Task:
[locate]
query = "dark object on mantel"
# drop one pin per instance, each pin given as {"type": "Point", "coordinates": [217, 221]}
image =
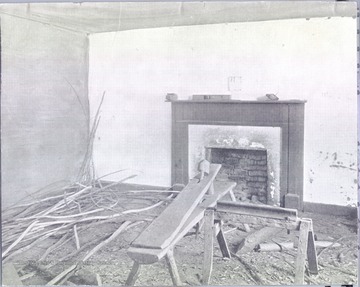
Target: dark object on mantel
{"type": "Point", "coordinates": [211, 97]}
{"type": "Point", "coordinates": [171, 97]}
{"type": "Point", "coordinates": [268, 97]}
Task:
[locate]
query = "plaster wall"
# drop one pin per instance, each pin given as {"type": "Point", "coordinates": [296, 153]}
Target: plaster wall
{"type": "Point", "coordinates": [44, 106]}
{"type": "Point", "coordinates": [313, 60]}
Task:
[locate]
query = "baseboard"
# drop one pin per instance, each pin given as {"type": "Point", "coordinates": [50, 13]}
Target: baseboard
{"type": "Point", "coordinates": [330, 209]}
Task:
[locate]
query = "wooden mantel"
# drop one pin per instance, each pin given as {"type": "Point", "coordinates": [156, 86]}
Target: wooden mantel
{"type": "Point", "coordinates": [288, 115]}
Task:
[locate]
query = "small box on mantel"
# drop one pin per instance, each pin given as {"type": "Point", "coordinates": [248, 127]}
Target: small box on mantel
{"type": "Point", "coordinates": [211, 97]}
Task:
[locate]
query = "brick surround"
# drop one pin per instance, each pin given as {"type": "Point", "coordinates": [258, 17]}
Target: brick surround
{"type": "Point", "coordinates": [247, 167]}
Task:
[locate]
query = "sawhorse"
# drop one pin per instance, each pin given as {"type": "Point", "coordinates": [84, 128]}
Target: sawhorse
{"type": "Point", "coordinates": [142, 256]}
{"type": "Point", "coordinates": [286, 218]}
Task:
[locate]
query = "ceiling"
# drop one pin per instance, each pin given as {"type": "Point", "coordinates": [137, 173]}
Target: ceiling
{"type": "Point", "coordinates": [98, 17]}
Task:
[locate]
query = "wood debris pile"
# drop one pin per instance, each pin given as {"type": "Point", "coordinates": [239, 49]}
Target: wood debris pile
{"type": "Point", "coordinates": [68, 213]}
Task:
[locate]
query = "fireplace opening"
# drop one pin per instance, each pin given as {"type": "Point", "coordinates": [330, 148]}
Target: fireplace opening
{"type": "Point", "coordinates": [248, 167]}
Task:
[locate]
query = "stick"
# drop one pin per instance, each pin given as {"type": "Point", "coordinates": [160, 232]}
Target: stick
{"type": "Point", "coordinates": [27, 247]}
{"type": "Point", "coordinates": [65, 216]}
{"type": "Point", "coordinates": [19, 239]}
{"type": "Point", "coordinates": [336, 241]}
{"type": "Point", "coordinates": [152, 191]}
{"type": "Point", "coordinates": [111, 238]}
{"type": "Point", "coordinates": [53, 247]}
{"type": "Point", "coordinates": [230, 230]}
{"type": "Point", "coordinates": [39, 201]}
{"type": "Point", "coordinates": [251, 274]}
{"type": "Point", "coordinates": [72, 268]}
{"type": "Point", "coordinates": [76, 238]}
{"type": "Point", "coordinates": [62, 202]}
{"type": "Point", "coordinates": [62, 274]}
{"type": "Point", "coordinates": [146, 208]}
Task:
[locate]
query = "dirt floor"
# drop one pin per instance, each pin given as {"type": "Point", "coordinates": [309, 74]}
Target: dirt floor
{"type": "Point", "coordinates": [111, 265]}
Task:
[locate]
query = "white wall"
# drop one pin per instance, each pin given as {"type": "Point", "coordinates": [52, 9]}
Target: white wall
{"type": "Point", "coordinates": [43, 127]}
{"type": "Point", "coordinates": [311, 59]}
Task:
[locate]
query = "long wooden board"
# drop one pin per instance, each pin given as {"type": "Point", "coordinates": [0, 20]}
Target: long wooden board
{"type": "Point", "coordinates": [151, 255]}
{"type": "Point", "coordinates": [160, 233]}
{"type": "Point", "coordinates": [266, 211]}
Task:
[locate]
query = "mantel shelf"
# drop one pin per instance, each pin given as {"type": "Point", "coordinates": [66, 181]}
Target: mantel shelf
{"type": "Point", "coordinates": [238, 102]}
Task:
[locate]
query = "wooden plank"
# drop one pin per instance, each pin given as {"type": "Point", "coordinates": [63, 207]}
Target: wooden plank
{"type": "Point", "coordinates": [249, 243]}
{"type": "Point", "coordinates": [150, 255]}
{"type": "Point", "coordinates": [208, 246]}
{"type": "Point", "coordinates": [290, 245]}
{"type": "Point", "coordinates": [302, 252]}
{"type": "Point", "coordinates": [257, 210]}
{"type": "Point", "coordinates": [160, 233]}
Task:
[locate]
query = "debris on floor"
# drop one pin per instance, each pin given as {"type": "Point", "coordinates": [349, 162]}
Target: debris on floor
{"type": "Point", "coordinates": [79, 235]}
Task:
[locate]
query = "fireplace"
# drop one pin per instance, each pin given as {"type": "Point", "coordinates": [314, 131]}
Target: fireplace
{"type": "Point", "coordinates": [284, 178]}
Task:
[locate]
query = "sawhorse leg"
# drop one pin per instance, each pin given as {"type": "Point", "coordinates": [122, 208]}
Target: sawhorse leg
{"type": "Point", "coordinates": [171, 264]}
{"type": "Point", "coordinates": [170, 261]}
{"type": "Point", "coordinates": [134, 273]}
{"type": "Point", "coordinates": [311, 252]}
{"type": "Point", "coordinates": [306, 249]}
{"type": "Point", "coordinates": [208, 245]}
{"type": "Point", "coordinates": [221, 239]}
{"type": "Point", "coordinates": [211, 229]}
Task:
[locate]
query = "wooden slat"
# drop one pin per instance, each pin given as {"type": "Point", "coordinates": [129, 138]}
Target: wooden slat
{"type": "Point", "coordinates": [160, 233]}
{"type": "Point", "coordinates": [150, 255]}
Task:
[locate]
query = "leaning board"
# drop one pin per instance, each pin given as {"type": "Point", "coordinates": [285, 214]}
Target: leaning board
{"type": "Point", "coordinates": [150, 255]}
{"type": "Point", "coordinates": [161, 232]}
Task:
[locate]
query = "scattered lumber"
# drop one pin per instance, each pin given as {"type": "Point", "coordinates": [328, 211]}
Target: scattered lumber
{"type": "Point", "coordinates": [266, 247]}
{"type": "Point", "coordinates": [249, 243]}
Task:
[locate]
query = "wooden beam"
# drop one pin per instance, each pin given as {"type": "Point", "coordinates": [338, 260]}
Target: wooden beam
{"type": "Point", "coordinates": [257, 210]}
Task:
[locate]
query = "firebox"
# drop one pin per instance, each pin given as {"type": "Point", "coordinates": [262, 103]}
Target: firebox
{"type": "Point", "coordinates": [246, 167]}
